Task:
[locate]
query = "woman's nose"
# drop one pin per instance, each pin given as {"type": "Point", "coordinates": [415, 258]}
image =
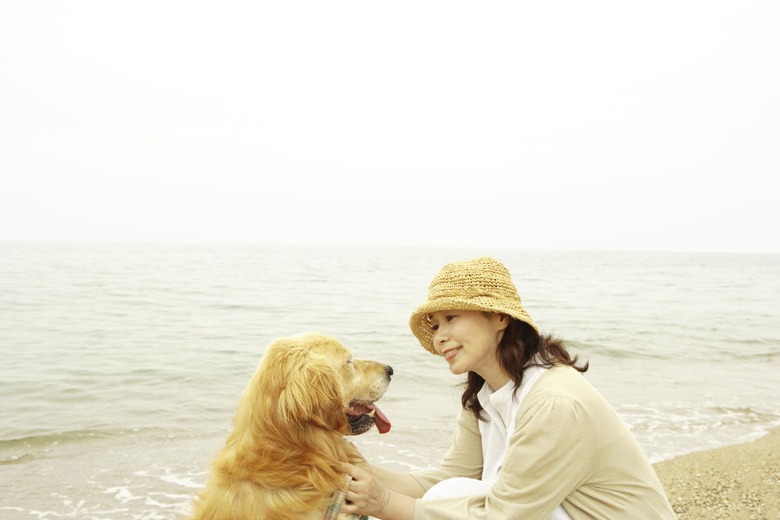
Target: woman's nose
{"type": "Point", "coordinates": [438, 339]}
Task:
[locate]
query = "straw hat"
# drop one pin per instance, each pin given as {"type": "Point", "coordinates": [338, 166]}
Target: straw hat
{"type": "Point", "coordinates": [481, 284]}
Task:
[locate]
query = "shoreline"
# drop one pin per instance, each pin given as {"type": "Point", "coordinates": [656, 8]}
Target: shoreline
{"type": "Point", "coordinates": [735, 482]}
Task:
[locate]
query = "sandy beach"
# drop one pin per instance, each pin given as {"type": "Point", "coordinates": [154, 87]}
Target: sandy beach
{"type": "Point", "coordinates": [736, 482]}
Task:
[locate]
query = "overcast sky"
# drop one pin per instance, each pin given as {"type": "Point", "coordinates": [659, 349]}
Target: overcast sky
{"type": "Point", "coordinates": [533, 125]}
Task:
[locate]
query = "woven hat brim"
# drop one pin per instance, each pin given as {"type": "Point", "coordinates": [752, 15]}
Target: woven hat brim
{"type": "Point", "coordinates": [421, 328]}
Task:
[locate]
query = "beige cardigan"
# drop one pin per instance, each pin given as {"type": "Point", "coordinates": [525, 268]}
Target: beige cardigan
{"type": "Point", "coordinates": [569, 447]}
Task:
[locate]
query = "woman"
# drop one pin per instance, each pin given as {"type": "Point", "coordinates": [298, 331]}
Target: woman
{"type": "Point", "coordinates": [534, 440]}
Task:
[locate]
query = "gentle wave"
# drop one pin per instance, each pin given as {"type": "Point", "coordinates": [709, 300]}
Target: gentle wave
{"type": "Point", "coordinates": [12, 449]}
{"type": "Point", "coordinates": [685, 428]}
{"type": "Point", "coordinates": [36, 445]}
{"type": "Point", "coordinates": [41, 439]}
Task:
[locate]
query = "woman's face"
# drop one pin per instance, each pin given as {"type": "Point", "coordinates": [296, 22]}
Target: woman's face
{"type": "Point", "coordinates": [468, 341]}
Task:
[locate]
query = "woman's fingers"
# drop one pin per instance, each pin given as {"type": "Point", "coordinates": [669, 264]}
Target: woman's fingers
{"type": "Point", "coordinates": [365, 495]}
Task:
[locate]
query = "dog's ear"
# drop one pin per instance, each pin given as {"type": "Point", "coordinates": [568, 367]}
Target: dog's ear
{"type": "Point", "coordinates": [307, 386]}
{"type": "Point", "coordinates": [312, 395]}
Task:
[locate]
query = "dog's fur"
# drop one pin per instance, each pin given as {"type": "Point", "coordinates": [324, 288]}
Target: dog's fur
{"type": "Point", "coordinates": [283, 460]}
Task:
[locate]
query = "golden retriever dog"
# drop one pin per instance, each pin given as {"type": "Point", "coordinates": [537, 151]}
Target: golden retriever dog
{"type": "Point", "coordinates": [283, 459]}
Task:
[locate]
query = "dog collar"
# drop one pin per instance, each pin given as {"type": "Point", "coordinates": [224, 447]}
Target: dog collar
{"type": "Point", "coordinates": [339, 497]}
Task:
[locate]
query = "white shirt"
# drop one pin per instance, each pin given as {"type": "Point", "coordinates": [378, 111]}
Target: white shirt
{"type": "Point", "coordinates": [501, 406]}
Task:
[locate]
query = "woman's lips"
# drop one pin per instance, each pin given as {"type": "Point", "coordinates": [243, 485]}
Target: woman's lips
{"type": "Point", "coordinates": [451, 353]}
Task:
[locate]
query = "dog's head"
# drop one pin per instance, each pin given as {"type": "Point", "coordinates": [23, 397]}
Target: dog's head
{"type": "Point", "coordinates": [313, 380]}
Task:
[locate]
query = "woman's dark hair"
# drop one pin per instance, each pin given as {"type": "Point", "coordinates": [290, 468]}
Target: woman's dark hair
{"type": "Point", "coordinates": [520, 345]}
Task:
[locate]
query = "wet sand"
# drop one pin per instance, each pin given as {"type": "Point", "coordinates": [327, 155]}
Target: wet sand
{"type": "Point", "coordinates": [736, 482]}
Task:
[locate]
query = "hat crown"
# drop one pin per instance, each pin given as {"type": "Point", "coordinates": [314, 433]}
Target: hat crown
{"type": "Point", "coordinates": [478, 277]}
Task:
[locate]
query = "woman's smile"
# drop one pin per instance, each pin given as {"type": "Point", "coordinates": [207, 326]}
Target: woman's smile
{"type": "Point", "coordinates": [450, 354]}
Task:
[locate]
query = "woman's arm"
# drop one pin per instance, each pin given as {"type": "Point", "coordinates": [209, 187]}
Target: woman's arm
{"type": "Point", "coordinates": [463, 458]}
{"type": "Point", "coordinates": [396, 481]}
{"type": "Point", "coordinates": [394, 492]}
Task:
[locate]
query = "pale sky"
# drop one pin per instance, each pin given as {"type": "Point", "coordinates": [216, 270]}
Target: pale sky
{"type": "Point", "coordinates": [531, 125]}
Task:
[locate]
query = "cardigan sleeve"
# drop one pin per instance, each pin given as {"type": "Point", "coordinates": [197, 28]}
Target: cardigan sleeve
{"type": "Point", "coordinates": [552, 451]}
{"type": "Point", "coordinates": [464, 457]}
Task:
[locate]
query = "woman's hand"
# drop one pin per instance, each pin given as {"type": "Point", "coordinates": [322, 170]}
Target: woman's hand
{"type": "Point", "coordinates": [366, 496]}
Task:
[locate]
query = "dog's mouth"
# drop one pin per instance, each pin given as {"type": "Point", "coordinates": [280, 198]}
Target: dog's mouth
{"type": "Point", "coordinates": [362, 415]}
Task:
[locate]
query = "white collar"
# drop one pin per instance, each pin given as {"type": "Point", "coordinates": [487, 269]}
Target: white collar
{"type": "Point", "coordinates": [506, 398]}
{"type": "Point", "coordinates": [498, 401]}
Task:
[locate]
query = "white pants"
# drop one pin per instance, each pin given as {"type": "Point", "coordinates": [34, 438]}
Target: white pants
{"type": "Point", "coordinates": [461, 486]}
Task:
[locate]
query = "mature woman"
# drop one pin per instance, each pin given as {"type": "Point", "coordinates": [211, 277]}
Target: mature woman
{"type": "Point", "coordinates": [534, 439]}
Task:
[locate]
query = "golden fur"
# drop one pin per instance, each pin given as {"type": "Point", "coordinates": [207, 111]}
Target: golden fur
{"type": "Point", "coordinates": [283, 459]}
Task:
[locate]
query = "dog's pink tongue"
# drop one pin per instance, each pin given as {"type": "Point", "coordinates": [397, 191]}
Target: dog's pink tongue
{"type": "Point", "coordinates": [381, 421]}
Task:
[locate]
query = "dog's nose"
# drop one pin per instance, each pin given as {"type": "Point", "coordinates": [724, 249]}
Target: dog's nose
{"type": "Point", "coordinates": [389, 370]}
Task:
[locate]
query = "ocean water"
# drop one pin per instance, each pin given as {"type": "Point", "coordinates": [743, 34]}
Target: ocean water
{"type": "Point", "coordinates": [122, 364]}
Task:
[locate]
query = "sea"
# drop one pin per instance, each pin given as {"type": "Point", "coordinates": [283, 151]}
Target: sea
{"type": "Point", "coordinates": [121, 364]}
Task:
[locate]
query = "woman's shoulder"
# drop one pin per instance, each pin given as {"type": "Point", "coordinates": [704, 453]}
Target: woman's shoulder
{"type": "Point", "coordinates": [563, 387]}
{"type": "Point", "coordinates": [563, 372]}
{"type": "Point", "coordinates": [561, 381]}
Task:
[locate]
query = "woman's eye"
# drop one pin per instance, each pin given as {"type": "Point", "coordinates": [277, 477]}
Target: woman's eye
{"type": "Point", "coordinates": [434, 327]}
{"type": "Point", "coordinates": [450, 317]}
